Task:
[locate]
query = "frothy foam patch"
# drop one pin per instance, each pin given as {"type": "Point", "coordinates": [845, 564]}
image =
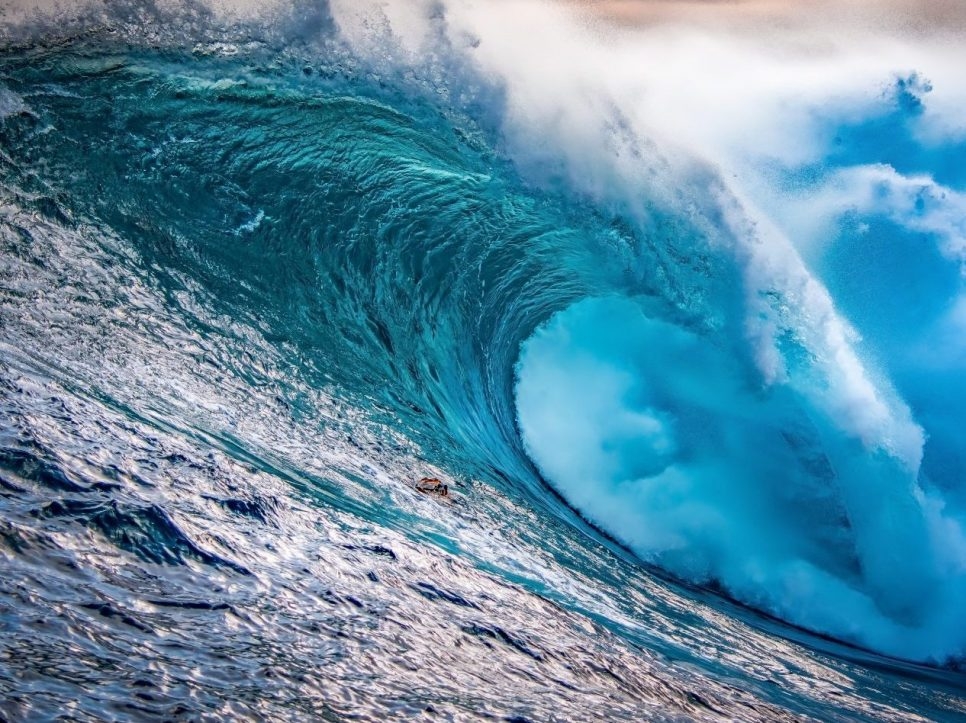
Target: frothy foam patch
{"type": "Point", "coordinates": [655, 434]}
{"type": "Point", "coordinates": [10, 103]}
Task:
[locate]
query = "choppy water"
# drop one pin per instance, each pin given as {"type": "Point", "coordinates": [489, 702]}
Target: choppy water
{"type": "Point", "coordinates": [247, 297]}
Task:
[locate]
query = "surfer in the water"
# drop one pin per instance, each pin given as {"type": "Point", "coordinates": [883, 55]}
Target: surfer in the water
{"type": "Point", "coordinates": [433, 485]}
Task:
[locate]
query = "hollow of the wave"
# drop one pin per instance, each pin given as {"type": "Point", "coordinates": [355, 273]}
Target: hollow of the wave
{"type": "Point", "coordinates": [665, 440]}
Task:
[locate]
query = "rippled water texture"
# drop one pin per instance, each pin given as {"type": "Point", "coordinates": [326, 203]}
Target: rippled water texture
{"type": "Point", "coordinates": [247, 298]}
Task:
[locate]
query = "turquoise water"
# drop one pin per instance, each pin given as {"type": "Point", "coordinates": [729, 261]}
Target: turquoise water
{"type": "Point", "coordinates": [248, 298]}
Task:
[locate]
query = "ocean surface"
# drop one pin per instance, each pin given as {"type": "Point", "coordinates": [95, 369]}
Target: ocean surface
{"type": "Point", "coordinates": [254, 283]}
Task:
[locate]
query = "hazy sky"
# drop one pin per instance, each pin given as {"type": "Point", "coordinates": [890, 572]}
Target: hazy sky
{"type": "Point", "coordinates": [900, 16]}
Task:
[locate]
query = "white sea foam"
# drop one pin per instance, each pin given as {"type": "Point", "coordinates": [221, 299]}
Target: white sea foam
{"type": "Point", "coordinates": [10, 103]}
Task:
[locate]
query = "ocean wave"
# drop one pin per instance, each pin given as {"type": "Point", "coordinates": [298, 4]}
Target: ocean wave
{"type": "Point", "coordinates": [252, 283]}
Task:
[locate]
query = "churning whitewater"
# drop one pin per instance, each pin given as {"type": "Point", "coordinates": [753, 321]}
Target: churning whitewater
{"type": "Point", "coordinates": [673, 304]}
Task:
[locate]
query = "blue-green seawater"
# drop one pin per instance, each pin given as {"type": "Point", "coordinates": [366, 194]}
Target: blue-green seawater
{"type": "Point", "coordinates": [244, 304]}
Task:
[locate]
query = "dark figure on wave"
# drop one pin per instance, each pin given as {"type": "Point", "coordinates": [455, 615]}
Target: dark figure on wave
{"type": "Point", "coordinates": [431, 485]}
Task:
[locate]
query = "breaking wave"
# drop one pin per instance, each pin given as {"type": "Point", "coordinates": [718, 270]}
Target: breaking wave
{"type": "Point", "coordinates": [252, 284]}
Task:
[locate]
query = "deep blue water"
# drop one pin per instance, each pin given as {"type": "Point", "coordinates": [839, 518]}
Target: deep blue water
{"type": "Point", "coordinates": [247, 298]}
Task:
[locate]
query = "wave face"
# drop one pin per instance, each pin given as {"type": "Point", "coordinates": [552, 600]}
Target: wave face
{"type": "Point", "coordinates": [254, 285]}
